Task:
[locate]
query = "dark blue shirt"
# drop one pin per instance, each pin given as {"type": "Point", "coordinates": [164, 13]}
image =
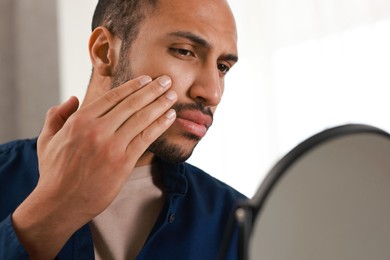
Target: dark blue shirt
{"type": "Point", "coordinates": [192, 224]}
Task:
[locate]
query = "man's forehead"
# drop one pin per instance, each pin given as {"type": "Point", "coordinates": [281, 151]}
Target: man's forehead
{"type": "Point", "coordinates": [217, 11]}
{"type": "Point", "coordinates": [195, 16]}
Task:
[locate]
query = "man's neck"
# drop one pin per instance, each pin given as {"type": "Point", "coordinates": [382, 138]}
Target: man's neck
{"type": "Point", "coordinates": [145, 159]}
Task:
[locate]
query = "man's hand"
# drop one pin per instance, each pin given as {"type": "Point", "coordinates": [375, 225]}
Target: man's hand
{"type": "Point", "coordinates": [86, 155]}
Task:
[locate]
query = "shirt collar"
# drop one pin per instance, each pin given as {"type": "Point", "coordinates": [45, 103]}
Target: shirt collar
{"type": "Point", "coordinates": [175, 180]}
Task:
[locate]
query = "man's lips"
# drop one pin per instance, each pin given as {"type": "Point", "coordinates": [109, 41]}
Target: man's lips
{"type": "Point", "coordinates": [194, 122]}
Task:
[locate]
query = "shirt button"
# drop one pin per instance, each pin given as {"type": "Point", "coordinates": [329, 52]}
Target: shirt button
{"type": "Point", "coordinates": [171, 218]}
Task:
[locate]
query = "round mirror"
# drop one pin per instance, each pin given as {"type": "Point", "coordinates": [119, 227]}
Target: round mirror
{"type": "Point", "coordinates": [329, 198]}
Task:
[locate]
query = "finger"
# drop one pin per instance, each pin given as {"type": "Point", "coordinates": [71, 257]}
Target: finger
{"type": "Point", "coordinates": [113, 97]}
{"type": "Point", "coordinates": [143, 140]}
{"type": "Point", "coordinates": [57, 116]}
{"type": "Point", "coordinates": [145, 117]}
{"type": "Point", "coordinates": [137, 101]}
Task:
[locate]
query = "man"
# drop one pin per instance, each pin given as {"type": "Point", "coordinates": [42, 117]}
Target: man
{"type": "Point", "coordinates": [108, 180]}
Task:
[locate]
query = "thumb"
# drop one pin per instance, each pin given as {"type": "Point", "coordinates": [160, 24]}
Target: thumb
{"type": "Point", "coordinates": [57, 116]}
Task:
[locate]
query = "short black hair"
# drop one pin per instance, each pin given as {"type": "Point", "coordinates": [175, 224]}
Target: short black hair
{"type": "Point", "coordinates": [122, 17]}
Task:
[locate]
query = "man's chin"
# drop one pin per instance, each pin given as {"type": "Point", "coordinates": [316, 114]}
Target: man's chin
{"type": "Point", "coordinates": [169, 152]}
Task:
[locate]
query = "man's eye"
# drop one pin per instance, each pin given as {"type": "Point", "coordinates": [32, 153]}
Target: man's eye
{"type": "Point", "coordinates": [183, 52]}
{"type": "Point", "coordinates": [223, 68]}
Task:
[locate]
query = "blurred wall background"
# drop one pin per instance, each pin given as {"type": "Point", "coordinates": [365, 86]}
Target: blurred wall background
{"type": "Point", "coordinates": [29, 68]}
{"type": "Point", "coordinates": [305, 65]}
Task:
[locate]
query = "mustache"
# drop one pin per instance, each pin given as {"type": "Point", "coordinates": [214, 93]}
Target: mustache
{"type": "Point", "coordinates": [178, 107]}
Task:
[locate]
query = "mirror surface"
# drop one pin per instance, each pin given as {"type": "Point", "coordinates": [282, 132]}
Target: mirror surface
{"type": "Point", "coordinates": [330, 202]}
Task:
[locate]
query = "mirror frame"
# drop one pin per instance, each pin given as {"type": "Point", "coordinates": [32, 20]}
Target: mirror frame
{"type": "Point", "coordinates": [247, 211]}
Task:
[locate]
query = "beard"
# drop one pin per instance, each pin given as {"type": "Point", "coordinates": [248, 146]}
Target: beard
{"type": "Point", "coordinates": [162, 147]}
{"type": "Point", "coordinates": [172, 153]}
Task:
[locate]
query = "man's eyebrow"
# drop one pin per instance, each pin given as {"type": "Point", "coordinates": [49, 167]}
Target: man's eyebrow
{"type": "Point", "coordinates": [199, 40]}
{"type": "Point", "coordinates": [192, 37]}
{"type": "Point", "coordinates": [230, 57]}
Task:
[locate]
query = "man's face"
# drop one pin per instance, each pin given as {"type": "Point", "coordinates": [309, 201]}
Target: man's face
{"type": "Point", "coordinates": [195, 43]}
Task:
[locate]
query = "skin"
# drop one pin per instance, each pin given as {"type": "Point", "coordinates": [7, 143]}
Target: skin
{"type": "Point", "coordinates": [88, 153]}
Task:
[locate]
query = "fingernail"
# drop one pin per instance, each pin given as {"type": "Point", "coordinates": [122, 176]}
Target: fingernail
{"type": "Point", "coordinates": [164, 81]}
{"type": "Point", "coordinates": [145, 80]}
{"type": "Point", "coordinates": [171, 95]}
{"type": "Point", "coordinates": [171, 114]}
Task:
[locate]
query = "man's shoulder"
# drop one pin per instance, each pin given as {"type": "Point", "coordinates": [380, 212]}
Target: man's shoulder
{"type": "Point", "coordinates": [18, 156]}
{"type": "Point", "coordinates": [19, 153]}
{"type": "Point", "coordinates": [18, 146]}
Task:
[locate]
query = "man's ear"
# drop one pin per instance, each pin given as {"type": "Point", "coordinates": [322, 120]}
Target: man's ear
{"type": "Point", "coordinates": [104, 50]}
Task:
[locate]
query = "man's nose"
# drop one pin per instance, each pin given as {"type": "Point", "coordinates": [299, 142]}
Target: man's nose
{"type": "Point", "coordinates": [208, 86]}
